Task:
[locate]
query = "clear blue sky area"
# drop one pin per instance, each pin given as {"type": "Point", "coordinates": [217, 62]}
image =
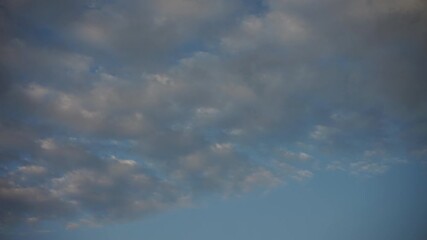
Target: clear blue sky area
{"type": "Point", "coordinates": [327, 207]}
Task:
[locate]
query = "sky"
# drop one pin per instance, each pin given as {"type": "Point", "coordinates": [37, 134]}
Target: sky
{"type": "Point", "coordinates": [226, 119]}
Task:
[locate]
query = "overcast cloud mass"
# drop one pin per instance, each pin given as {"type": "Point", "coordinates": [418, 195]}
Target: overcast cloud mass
{"type": "Point", "coordinates": [112, 111]}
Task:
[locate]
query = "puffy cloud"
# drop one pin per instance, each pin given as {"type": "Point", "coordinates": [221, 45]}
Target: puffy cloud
{"type": "Point", "coordinates": [303, 174]}
{"type": "Point", "coordinates": [301, 156]}
{"type": "Point", "coordinates": [29, 203]}
{"type": "Point", "coordinates": [32, 170]}
{"type": "Point", "coordinates": [117, 110]}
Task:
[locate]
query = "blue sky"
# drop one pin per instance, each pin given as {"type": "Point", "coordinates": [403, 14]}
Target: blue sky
{"type": "Point", "coordinates": [189, 119]}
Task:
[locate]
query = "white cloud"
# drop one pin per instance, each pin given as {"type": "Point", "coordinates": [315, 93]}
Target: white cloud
{"type": "Point", "coordinates": [222, 147]}
{"type": "Point", "coordinates": [36, 92]}
{"type": "Point", "coordinates": [335, 166]}
{"type": "Point", "coordinates": [261, 177]}
{"type": "Point", "coordinates": [301, 156]}
{"type": "Point", "coordinates": [276, 27]}
{"type": "Point", "coordinates": [47, 144]}
{"type": "Point", "coordinates": [162, 79]}
{"type": "Point", "coordinates": [128, 162]}
{"type": "Point", "coordinates": [323, 132]}
{"type": "Point", "coordinates": [32, 170]}
{"type": "Point", "coordinates": [363, 167]}
{"type": "Point", "coordinates": [301, 175]}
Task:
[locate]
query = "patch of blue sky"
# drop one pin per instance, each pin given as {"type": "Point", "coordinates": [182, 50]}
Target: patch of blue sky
{"type": "Point", "coordinates": [115, 149]}
{"type": "Point", "coordinates": [255, 7]}
{"type": "Point", "coordinates": [335, 206]}
{"type": "Point", "coordinates": [40, 34]}
{"type": "Point", "coordinates": [187, 49]}
{"type": "Point", "coordinates": [12, 160]}
{"type": "Point", "coordinates": [212, 45]}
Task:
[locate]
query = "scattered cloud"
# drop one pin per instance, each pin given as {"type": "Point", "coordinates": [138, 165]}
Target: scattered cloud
{"type": "Point", "coordinates": [115, 110]}
{"type": "Point", "coordinates": [368, 167]}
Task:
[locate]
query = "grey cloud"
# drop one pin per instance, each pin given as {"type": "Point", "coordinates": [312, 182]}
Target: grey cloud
{"type": "Point", "coordinates": [19, 204]}
{"type": "Point", "coordinates": [119, 192]}
{"type": "Point", "coordinates": [337, 84]}
{"type": "Point", "coordinates": [143, 33]}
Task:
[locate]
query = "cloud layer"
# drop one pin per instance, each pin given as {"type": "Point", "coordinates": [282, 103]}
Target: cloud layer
{"type": "Point", "coordinates": [112, 111]}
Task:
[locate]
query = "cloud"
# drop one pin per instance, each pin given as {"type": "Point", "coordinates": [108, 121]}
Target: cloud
{"type": "Point", "coordinates": [301, 156]}
{"type": "Point", "coordinates": [23, 203]}
{"type": "Point", "coordinates": [368, 168]}
{"type": "Point", "coordinates": [32, 170]}
{"type": "Point", "coordinates": [115, 110]}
